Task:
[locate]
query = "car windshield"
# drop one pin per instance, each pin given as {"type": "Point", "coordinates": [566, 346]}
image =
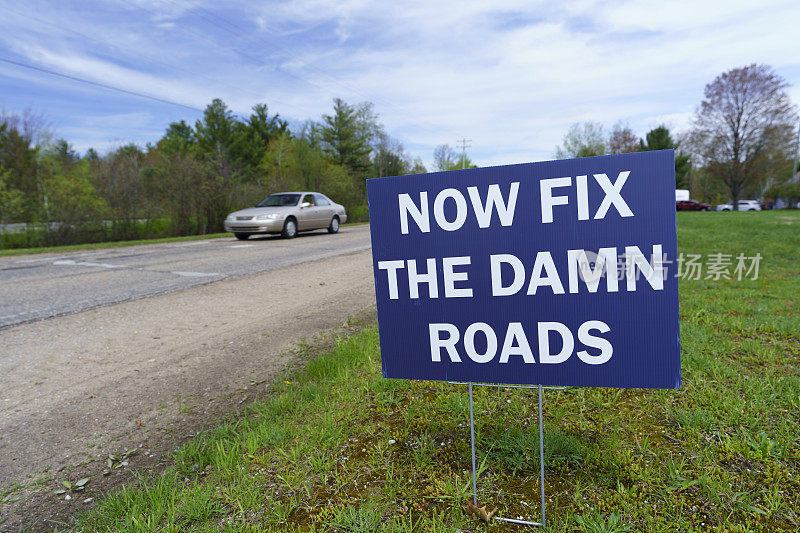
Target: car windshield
{"type": "Point", "coordinates": [279, 200]}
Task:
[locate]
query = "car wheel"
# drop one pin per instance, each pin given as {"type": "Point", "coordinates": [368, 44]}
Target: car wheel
{"type": "Point", "coordinates": [289, 229]}
{"type": "Point", "coordinates": [334, 225]}
{"type": "Point", "coordinates": [704, 209]}
{"type": "Point", "coordinates": [242, 236]}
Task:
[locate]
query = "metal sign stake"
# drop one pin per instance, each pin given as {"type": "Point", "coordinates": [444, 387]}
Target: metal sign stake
{"type": "Point", "coordinates": [472, 435]}
{"type": "Point", "coordinates": [541, 450]}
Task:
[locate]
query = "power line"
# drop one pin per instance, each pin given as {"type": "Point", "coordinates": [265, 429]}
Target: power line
{"type": "Point", "coordinates": [238, 31]}
{"type": "Point", "coordinates": [96, 84]}
{"type": "Point", "coordinates": [148, 58]}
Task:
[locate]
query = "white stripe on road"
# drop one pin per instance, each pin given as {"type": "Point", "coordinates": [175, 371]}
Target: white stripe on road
{"type": "Point", "coordinates": [193, 243]}
{"type": "Point", "coordinates": [70, 262]}
{"type": "Point", "coordinates": [45, 259]}
{"type": "Point", "coordinates": [242, 246]}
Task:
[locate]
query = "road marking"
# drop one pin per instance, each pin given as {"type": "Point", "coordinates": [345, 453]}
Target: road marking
{"type": "Point", "coordinates": [193, 243]}
{"type": "Point", "coordinates": [194, 274]}
{"type": "Point", "coordinates": [242, 246]}
{"type": "Point", "coordinates": [70, 262]}
{"type": "Point", "coordinates": [45, 259]}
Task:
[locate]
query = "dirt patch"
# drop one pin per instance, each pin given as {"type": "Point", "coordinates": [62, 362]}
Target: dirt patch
{"type": "Point", "coordinates": [150, 374]}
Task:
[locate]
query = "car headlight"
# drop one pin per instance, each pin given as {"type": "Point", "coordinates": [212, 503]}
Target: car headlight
{"type": "Point", "coordinates": [230, 217]}
{"type": "Point", "coordinates": [271, 216]}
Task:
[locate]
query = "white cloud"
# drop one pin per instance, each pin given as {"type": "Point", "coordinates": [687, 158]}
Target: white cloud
{"type": "Point", "coordinates": [512, 77]}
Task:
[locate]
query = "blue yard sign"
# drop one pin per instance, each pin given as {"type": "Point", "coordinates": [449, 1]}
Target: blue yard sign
{"type": "Point", "coordinates": [552, 273]}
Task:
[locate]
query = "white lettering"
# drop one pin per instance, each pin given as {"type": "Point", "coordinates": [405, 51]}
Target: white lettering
{"type": "Point", "coordinates": [420, 215]}
{"type": "Point", "coordinates": [544, 261]}
{"type": "Point", "coordinates": [494, 199]}
{"type": "Point", "coordinates": [414, 279]}
{"type": "Point", "coordinates": [568, 344]}
{"type": "Point", "coordinates": [450, 277]}
{"type": "Point", "coordinates": [594, 342]}
{"type": "Point", "coordinates": [613, 196]}
{"type": "Point", "coordinates": [391, 268]}
{"type": "Point", "coordinates": [546, 187]}
{"type": "Point", "coordinates": [496, 262]}
{"type": "Point", "coordinates": [583, 197]}
{"type": "Point", "coordinates": [461, 209]}
{"type": "Point", "coordinates": [491, 342]}
{"type": "Point", "coordinates": [653, 273]}
{"type": "Point", "coordinates": [449, 344]}
{"type": "Point", "coordinates": [516, 333]}
{"type": "Point", "coordinates": [578, 265]}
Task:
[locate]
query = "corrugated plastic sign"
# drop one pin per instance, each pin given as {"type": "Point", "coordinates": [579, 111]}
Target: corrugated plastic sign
{"type": "Point", "coordinates": [551, 273]}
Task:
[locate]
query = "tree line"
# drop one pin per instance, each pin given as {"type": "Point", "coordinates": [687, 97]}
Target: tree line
{"type": "Point", "coordinates": [741, 142]}
{"type": "Point", "coordinates": [188, 181]}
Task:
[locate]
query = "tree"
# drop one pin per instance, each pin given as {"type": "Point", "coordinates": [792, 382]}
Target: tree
{"type": "Point", "coordinates": [744, 125]}
{"type": "Point", "coordinates": [418, 166]}
{"type": "Point", "coordinates": [12, 201]}
{"type": "Point", "coordinates": [18, 163]}
{"type": "Point", "coordinates": [217, 129]}
{"type": "Point", "coordinates": [178, 139]}
{"type": "Point", "coordinates": [257, 133]}
{"type": "Point", "coordinates": [660, 139]}
{"type": "Point", "coordinates": [72, 199]}
{"type": "Point", "coordinates": [118, 181]}
{"type": "Point", "coordinates": [347, 135]}
{"type": "Point", "coordinates": [62, 151]}
{"type": "Point", "coordinates": [444, 157]}
{"type": "Point", "coordinates": [788, 190]}
{"type": "Point", "coordinates": [175, 183]}
{"type": "Point", "coordinates": [622, 140]}
{"type": "Point", "coordinates": [582, 140]}
{"type": "Point", "coordinates": [390, 158]}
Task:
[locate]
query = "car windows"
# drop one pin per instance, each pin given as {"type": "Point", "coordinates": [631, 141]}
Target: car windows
{"type": "Point", "coordinates": [310, 199]}
{"type": "Point", "coordinates": [321, 200]}
{"type": "Point", "coordinates": [279, 200]}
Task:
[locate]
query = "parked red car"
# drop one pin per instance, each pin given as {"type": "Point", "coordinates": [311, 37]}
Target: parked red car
{"type": "Point", "coordinates": [691, 205]}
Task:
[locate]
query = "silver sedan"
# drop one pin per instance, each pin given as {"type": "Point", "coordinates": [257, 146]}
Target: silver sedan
{"type": "Point", "coordinates": [287, 213]}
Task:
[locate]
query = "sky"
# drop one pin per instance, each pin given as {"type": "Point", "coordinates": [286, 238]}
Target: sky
{"type": "Point", "coordinates": [508, 76]}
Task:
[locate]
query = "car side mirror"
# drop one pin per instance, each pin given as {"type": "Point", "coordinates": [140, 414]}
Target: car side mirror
{"type": "Point", "coordinates": [305, 204]}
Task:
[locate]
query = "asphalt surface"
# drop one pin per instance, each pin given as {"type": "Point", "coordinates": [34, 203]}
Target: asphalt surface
{"type": "Point", "coordinates": [36, 287]}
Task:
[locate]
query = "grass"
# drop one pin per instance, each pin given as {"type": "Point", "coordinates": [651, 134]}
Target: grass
{"type": "Point", "coordinates": [118, 244]}
{"type": "Point", "coordinates": [112, 244]}
{"type": "Point", "coordinates": [338, 448]}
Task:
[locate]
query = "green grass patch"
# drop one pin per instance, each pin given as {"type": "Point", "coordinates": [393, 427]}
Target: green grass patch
{"type": "Point", "coordinates": [118, 244]}
{"type": "Point", "coordinates": [112, 244]}
{"type": "Point", "coordinates": [338, 448]}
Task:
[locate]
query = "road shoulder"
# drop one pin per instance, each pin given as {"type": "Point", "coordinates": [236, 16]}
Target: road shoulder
{"type": "Point", "coordinates": [147, 375]}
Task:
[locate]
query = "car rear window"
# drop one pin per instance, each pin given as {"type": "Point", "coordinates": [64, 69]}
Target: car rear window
{"type": "Point", "coordinates": [279, 200]}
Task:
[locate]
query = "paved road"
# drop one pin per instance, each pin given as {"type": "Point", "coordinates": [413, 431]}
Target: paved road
{"type": "Point", "coordinates": [42, 286]}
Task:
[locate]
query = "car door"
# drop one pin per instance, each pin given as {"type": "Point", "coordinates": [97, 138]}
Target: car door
{"type": "Point", "coordinates": [325, 210]}
{"type": "Point", "coordinates": [307, 216]}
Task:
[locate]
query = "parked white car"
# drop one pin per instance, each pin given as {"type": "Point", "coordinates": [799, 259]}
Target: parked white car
{"type": "Point", "coordinates": [744, 205]}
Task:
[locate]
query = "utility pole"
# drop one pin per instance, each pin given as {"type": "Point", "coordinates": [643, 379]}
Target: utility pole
{"type": "Point", "coordinates": [464, 146]}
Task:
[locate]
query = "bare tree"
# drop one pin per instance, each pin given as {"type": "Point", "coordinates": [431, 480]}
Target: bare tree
{"type": "Point", "coordinates": [743, 126]}
{"type": "Point", "coordinates": [622, 140]}
{"type": "Point", "coordinates": [32, 125]}
{"type": "Point", "coordinates": [444, 157]}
